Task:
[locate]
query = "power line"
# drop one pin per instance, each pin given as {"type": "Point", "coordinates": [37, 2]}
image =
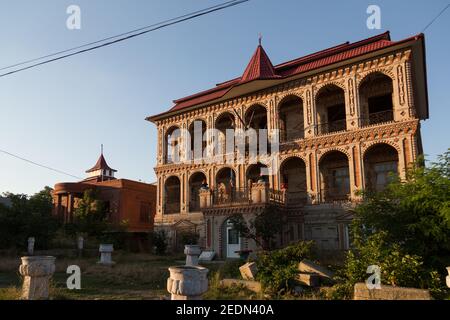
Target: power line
{"type": "Point", "coordinates": [432, 21]}
{"type": "Point", "coordinates": [39, 165]}
{"type": "Point", "coordinates": [111, 37]}
{"type": "Point", "coordinates": [158, 26]}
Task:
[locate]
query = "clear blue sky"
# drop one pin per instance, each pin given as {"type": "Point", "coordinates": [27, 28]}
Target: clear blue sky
{"type": "Point", "coordinates": [59, 114]}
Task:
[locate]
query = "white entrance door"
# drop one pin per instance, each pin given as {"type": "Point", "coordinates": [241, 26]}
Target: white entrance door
{"type": "Point", "coordinates": [233, 242]}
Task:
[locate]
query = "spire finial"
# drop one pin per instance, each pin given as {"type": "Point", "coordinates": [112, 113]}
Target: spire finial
{"type": "Point", "coordinates": [102, 148]}
{"type": "Point", "coordinates": [260, 38]}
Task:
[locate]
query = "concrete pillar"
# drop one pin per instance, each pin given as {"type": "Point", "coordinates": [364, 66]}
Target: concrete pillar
{"type": "Point", "coordinates": [205, 198]}
{"type": "Point", "coordinates": [192, 253]}
{"type": "Point", "coordinates": [105, 254]}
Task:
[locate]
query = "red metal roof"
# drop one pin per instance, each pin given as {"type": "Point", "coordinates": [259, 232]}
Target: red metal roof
{"type": "Point", "coordinates": [260, 67]}
{"type": "Point", "coordinates": [100, 165]}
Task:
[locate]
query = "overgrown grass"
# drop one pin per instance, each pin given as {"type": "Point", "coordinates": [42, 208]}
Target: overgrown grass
{"type": "Point", "coordinates": [134, 276]}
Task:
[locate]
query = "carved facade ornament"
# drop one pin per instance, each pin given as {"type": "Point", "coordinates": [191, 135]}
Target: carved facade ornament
{"type": "Point", "coordinates": [401, 85]}
{"type": "Point", "coordinates": [351, 94]}
{"type": "Point", "coordinates": [309, 106]}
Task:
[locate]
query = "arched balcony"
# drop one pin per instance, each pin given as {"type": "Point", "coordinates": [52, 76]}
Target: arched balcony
{"type": "Point", "coordinates": [380, 166]}
{"type": "Point", "coordinates": [291, 119]}
{"type": "Point", "coordinates": [172, 193]}
{"type": "Point", "coordinates": [256, 172]}
{"type": "Point", "coordinates": [375, 92]}
{"type": "Point", "coordinates": [197, 145]}
{"type": "Point", "coordinates": [256, 119]}
{"type": "Point", "coordinates": [330, 106]}
{"type": "Point", "coordinates": [196, 182]}
{"type": "Point", "coordinates": [334, 177]}
{"type": "Point", "coordinates": [223, 123]}
{"type": "Point", "coordinates": [172, 144]}
{"type": "Point", "coordinates": [293, 181]}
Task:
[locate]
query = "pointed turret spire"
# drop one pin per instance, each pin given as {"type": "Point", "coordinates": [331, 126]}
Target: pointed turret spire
{"type": "Point", "coordinates": [101, 168]}
{"type": "Point", "coordinates": [260, 67]}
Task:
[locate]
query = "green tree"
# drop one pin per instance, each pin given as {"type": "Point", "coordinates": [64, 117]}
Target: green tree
{"type": "Point", "coordinates": [405, 230]}
{"type": "Point", "coordinates": [263, 228]}
{"type": "Point", "coordinates": [28, 217]}
{"type": "Point", "coordinates": [90, 216]}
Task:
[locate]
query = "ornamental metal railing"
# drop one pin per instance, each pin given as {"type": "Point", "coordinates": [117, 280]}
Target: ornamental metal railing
{"type": "Point", "coordinates": [329, 127]}
{"type": "Point", "coordinates": [380, 117]}
{"type": "Point", "coordinates": [230, 196]}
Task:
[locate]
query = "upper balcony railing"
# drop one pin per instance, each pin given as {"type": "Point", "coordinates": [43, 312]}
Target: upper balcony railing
{"type": "Point", "coordinates": [291, 135]}
{"type": "Point", "coordinates": [380, 117]}
{"type": "Point", "coordinates": [230, 196]}
{"type": "Point", "coordinates": [329, 127]}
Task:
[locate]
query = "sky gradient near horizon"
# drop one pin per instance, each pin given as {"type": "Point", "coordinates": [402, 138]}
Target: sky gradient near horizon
{"type": "Point", "coordinates": [60, 113]}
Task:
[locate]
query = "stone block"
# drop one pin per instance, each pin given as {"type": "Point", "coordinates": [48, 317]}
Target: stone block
{"type": "Point", "coordinates": [361, 292]}
{"type": "Point", "coordinates": [248, 271]}
{"type": "Point", "coordinates": [307, 266]}
{"type": "Point", "coordinates": [206, 256]}
{"type": "Point", "coordinates": [309, 279]}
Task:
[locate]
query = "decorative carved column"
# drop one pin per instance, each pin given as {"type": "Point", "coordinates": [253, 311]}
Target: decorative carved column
{"type": "Point", "coordinates": [351, 103]}
{"type": "Point", "coordinates": [309, 110]}
{"type": "Point", "coordinates": [402, 107]}
{"type": "Point", "coordinates": [354, 170]}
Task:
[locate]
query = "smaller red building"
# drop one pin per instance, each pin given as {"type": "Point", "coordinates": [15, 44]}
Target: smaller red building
{"type": "Point", "coordinates": [126, 200]}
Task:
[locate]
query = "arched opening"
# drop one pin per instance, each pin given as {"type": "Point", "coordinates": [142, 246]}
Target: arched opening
{"type": "Point", "coordinates": [380, 166]}
{"type": "Point", "coordinates": [197, 131]}
{"type": "Point", "coordinates": [172, 193]}
{"type": "Point", "coordinates": [256, 172]}
{"type": "Point", "coordinates": [330, 105]}
{"type": "Point", "coordinates": [290, 113]}
{"type": "Point", "coordinates": [375, 93]}
{"type": "Point", "coordinates": [172, 145]}
{"type": "Point", "coordinates": [225, 191]}
{"type": "Point", "coordinates": [256, 119]}
{"type": "Point", "coordinates": [334, 177]}
{"type": "Point", "coordinates": [196, 182]}
{"type": "Point", "coordinates": [293, 180]}
{"type": "Point", "coordinates": [224, 121]}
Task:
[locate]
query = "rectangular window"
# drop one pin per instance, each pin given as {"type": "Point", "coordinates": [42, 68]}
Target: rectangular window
{"type": "Point", "coordinates": [341, 180]}
{"type": "Point", "coordinates": [382, 173]}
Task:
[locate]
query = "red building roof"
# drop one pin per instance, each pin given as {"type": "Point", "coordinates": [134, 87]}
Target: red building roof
{"type": "Point", "coordinates": [100, 165]}
{"type": "Point", "coordinates": [260, 67]}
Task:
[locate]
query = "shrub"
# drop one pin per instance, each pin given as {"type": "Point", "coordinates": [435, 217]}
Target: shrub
{"type": "Point", "coordinates": [159, 241]}
{"type": "Point", "coordinates": [277, 269]}
{"type": "Point", "coordinates": [189, 237]}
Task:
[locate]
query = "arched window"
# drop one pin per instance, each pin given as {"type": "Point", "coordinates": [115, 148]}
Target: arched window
{"type": "Point", "coordinates": [330, 105]}
{"type": "Point", "coordinates": [172, 194]}
{"type": "Point", "coordinates": [172, 145]}
{"type": "Point", "coordinates": [334, 177]}
{"type": "Point", "coordinates": [224, 121]}
{"type": "Point", "coordinates": [380, 166]}
{"type": "Point", "coordinates": [256, 119]}
{"type": "Point", "coordinates": [198, 141]}
{"type": "Point", "coordinates": [290, 114]}
{"type": "Point", "coordinates": [376, 102]}
{"type": "Point", "coordinates": [293, 180]}
{"type": "Point", "coordinates": [196, 182]}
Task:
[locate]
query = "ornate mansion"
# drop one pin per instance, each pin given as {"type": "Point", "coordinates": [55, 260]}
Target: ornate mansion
{"type": "Point", "coordinates": [344, 118]}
